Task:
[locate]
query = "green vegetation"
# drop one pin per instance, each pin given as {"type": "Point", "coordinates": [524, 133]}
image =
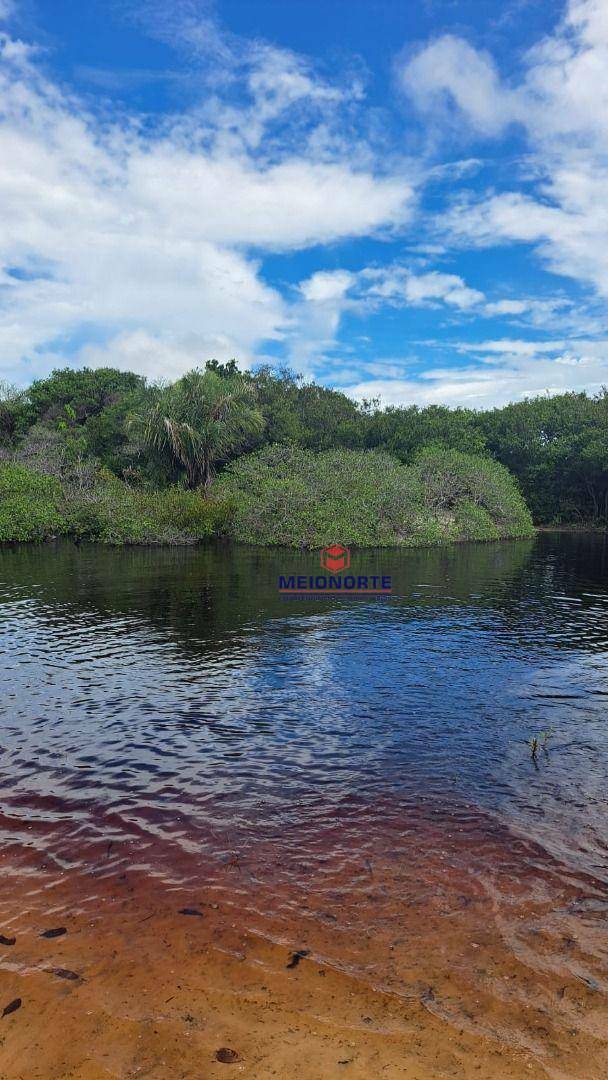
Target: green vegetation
{"type": "Point", "coordinates": [287, 495]}
{"type": "Point", "coordinates": [105, 455]}
{"type": "Point", "coordinates": [30, 504]}
{"type": "Point", "coordinates": [557, 447]}
{"type": "Point", "coordinates": [113, 512]}
{"type": "Point", "coordinates": [202, 419]}
{"type": "Point", "coordinates": [541, 741]}
{"type": "Point", "coordinates": [35, 506]}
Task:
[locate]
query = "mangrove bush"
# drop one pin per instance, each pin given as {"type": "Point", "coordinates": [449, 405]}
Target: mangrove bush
{"type": "Point", "coordinates": [289, 495]}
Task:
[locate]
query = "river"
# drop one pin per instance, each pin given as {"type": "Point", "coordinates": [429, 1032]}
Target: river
{"type": "Point", "coordinates": [308, 832]}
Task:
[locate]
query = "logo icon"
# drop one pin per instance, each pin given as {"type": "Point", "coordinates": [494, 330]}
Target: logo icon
{"type": "Point", "coordinates": [336, 557]}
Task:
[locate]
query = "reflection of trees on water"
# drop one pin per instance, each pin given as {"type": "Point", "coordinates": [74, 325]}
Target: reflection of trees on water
{"type": "Point", "coordinates": [204, 594]}
{"type": "Point", "coordinates": [182, 670]}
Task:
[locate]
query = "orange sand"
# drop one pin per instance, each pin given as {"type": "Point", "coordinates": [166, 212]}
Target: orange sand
{"type": "Point", "coordinates": [421, 963]}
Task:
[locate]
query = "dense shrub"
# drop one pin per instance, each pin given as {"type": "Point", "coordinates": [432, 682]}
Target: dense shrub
{"type": "Point", "coordinates": [30, 504]}
{"type": "Point", "coordinates": [288, 495]}
{"type": "Point", "coordinates": [98, 506]}
{"type": "Point", "coordinates": [85, 392]}
{"type": "Point", "coordinates": [557, 447]}
{"type": "Point", "coordinates": [481, 493]}
{"type": "Point", "coordinates": [113, 512]}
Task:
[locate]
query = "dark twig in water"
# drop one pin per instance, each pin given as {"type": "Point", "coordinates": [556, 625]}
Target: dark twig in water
{"type": "Point", "coordinates": [57, 931]}
{"type": "Point", "coordinates": [7, 940]}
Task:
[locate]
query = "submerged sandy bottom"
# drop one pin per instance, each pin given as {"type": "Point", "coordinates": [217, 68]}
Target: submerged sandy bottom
{"type": "Point", "coordinates": [402, 943]}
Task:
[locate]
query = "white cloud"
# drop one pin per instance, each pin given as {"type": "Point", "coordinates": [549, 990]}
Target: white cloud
{"type": "Point", "coordinates": [449, 71]}
{"type": "Point", "coordinates": [291, 205]}
{"type": "Point", "coordinates": [328, 294]}
{"type": "Point", "coordinates": [146, 240]}
{"type": "Point", "coordinates": [271, 81]}
{"type": "Point", "coordinates": [554, 312]}
{"type": "Point", "coordinates": [140, 247]}
{"type": "Point", "coordinates": [496, 372]}
{"type": "Point", "coordinates": [327, 285]}
{"type": "Point", "coordinates": [160, 358]}
{"type": "Point", "coordinates": [316, 317]}
{"type": "Point", "coordinates": [278, 79]}
{"type": "Point", "coordinates": [399, 285]}
{"type": "Point", "coordinates": [447, 287]}
{"type": "Point", "coordinates": [562, 103]}
{"type": "Point", "coordinates": [563, 92]}
{"type": "Point", "coordinates": [506, 307]}
{"type": "Point", "coordinates": [510, 347]}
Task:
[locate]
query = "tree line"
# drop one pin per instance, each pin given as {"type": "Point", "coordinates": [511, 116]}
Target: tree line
{"type": "Point", "coordinates": [185, 432]}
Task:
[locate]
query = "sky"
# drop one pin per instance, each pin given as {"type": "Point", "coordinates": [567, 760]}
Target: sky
{"type": "Point", "coordinates": [404, 200]}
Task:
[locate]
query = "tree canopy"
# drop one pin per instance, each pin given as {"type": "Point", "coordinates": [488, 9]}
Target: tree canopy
{"type": "Point", "coordinates": [199, 421]}
{"type": "Point", "coordinates": [186, 431]}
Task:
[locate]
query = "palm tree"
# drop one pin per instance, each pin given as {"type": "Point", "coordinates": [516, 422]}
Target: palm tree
{"type": "Point", "coordinates": [200, 421]}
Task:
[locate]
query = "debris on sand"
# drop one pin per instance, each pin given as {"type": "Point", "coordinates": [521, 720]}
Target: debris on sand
{"type": "Point", "coordinates": [226, 1055]}
{"type": "Point", "coordinates": [11, 1007]}
{"type": "Point", "coordinates": [57, 931]}
{"type": "Point", "coordinates": [64, 973]}
{"type": "Point", "coordinates": [7, 940]}
{"type": "Point", "coordinates": [297, 956]}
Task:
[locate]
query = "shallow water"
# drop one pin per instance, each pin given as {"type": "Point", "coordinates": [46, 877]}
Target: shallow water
{"type": "Point", "coordinates": [347, 775]}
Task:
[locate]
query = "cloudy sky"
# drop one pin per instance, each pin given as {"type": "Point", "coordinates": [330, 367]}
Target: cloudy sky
{"type": "Point", "coordinates": [401, 199]}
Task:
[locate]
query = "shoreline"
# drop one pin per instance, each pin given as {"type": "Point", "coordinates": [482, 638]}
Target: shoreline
{"type": "Point", "coordinates": [396, 960]}
{"type": "Point", "coordinates": [595, 530]}
{"type": "Point", "coordinates": [229, 541]}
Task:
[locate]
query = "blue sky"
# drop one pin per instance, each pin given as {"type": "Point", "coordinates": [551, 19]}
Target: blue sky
{"type": "Point", "coordinates": [407, 201]}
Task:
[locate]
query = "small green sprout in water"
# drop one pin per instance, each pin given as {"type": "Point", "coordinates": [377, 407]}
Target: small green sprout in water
{"type": "Point", "coordinates": [541, 740]}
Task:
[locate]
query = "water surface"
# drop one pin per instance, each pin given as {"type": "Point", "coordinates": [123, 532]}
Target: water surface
{"type": "Point", "coordinates": [338, 762]}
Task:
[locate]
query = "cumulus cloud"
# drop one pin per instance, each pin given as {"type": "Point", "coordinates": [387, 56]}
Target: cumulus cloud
{"type": "Point", "coordinates": [450, 73]}
{"type": "Point", "coordinates": [162, 358]}
{"type": "Point", "coordinates": [142, 244]}
{"type": "Point", "coordinates": [320, 302]}
{"type": "Point", "coordinates": [561, 102]}
{"type": "Point", "coordinates": [327, 285]}
{"type": "Point", "coordinates": [563, 91]}
{"type": "Point", "coordinates": [329, 294]}
{"type": "Point", "coordinates": [436, 286]}
{"type": "Point", "coordinates": [494, 373]}
{"type": "Point", "coordinates": [138, 245]}
{"type": "Point", "coordinates": [400, 286]}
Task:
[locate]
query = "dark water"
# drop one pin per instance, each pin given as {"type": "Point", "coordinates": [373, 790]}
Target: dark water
{"type": "Point", "coordinates": [158, 695]}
